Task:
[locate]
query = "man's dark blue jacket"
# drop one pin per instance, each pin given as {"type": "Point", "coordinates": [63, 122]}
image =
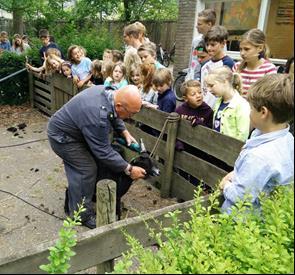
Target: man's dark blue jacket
{"type": "Point", "coordinates": [89, 118]}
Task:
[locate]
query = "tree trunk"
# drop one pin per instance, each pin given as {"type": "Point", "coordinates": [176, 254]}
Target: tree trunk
{"type": "Point", "coordinates": [18, 24]}
{"type": "Point", "coordinates": [127, 11]}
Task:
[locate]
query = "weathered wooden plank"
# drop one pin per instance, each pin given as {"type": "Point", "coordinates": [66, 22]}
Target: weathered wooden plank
{"type": "Point", "coordinates": [42, 93]}
{"type": "Point", "coordinates": [42, 108]}
{"type": "Point", "coordinates": [67, 97]}
{"type": "Point", "coordinates": [199, 168]}
{"type": "Point", "coordinates": [63, 83]}
{"type": "Point", "coordinates": [59, 98]}
{"type": "Point", "coordinates": [42, 85]}
{"type": "Point", "coordinates": [181, 188]}
{"type": "Point", "coordinates": [98, 245]}
{"type": "Point", "coordinates": [42, 100]}
{"type": "Point", "coordinates": [43, 78]}
{"type": "Point", "coordinates": [218, 145]}
{"type": "Point", "coordinates": [31, 89]}
{"type": "Point", "coordinates": [151, 117]}
{"type": "Point", "coordinates": [105, 213]}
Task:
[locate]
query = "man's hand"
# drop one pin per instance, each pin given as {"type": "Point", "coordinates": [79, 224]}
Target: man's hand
{"type": "Point", "coordinates": [226, 180]}
{"type": "Point", "coordinates": [129, 139]}
{"type": "Point", "coordinates": [137, 173]}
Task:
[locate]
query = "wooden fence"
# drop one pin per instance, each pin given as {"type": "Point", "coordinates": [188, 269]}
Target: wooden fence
{"type": "Point", "coordinates": [49, 93]}
{"type": "Point", "coordinates": [98, 247]}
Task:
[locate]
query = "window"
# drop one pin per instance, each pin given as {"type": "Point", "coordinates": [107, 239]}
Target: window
{"type": "Point", "coordinates": [274, 17]}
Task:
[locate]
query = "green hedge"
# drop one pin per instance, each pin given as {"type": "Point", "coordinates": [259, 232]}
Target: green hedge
{"type": "Point", "coordinates": [245, 242]}
{"type": "Point", "coordinates": [13, 91]}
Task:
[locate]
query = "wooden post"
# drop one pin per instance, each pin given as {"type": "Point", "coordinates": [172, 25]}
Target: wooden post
{"type": "Point", "coordinates": [31, 88]}
{"type": "Point", "coordinates": [105, 213]}
{"type": "Point", "coordinates": [172, 126]}
{"type": "Point", "coordinates": [53, 108]}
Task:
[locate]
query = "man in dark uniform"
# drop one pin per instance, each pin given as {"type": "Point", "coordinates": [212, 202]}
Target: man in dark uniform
{"type": "Point", "coordinates": [79, 134]}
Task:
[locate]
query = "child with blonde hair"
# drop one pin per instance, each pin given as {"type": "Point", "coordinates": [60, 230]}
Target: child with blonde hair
{"type": "Point", "coordinates": [267, 158]}
{"type": "Point", "coordinates": [231, 110]}
{"type": "Point", "coordinates": [117, 80]}
{"type": "Point", "coordinates": [255, 63]}
{"type": "Point", "coordinates": [44, 69]}
{"type": "Point", "coordinates": [53, 64]}
{"type": "Point", "coordinates": [194, 108]}
{"type": "Point", "coordinates": [133, 59]}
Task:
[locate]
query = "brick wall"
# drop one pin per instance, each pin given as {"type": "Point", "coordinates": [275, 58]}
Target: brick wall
{"type": "Point", "coordinates": [184, 34]}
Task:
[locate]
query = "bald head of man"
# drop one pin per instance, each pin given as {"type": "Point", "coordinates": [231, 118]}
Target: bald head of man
{"type": "Point", "coordinates": [127, 101]}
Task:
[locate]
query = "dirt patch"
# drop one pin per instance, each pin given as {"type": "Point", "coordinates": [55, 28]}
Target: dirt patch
{"type": "Point", "coordinates": [34, 173]}
{"type": "Point", "coordinates": [13, 115]}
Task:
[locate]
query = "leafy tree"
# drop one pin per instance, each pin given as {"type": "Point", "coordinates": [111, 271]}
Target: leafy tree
{"type": "Point", "coordinates": [128, 10]}
{"type": "Point", "coordinates": [19, 10]}
{"type": "Point", "coordinates": [149, 9]}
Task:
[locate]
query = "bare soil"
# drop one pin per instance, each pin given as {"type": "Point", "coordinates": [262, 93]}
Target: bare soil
{"type": "Point", "coordinates": [34, 173]}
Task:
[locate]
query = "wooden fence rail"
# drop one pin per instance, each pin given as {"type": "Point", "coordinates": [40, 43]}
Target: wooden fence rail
{"type": "Point", "coordinates": [98, 245]}
{"type": "Point", "coordinates": [103, 244]}
{"type": "Point", "coordinates": [49, 93]}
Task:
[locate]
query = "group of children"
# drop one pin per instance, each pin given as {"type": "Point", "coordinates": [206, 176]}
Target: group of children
{"type": "Point", "coordinates": [20, 43]}
{"type": "Point", "coordinates": [115, 70]}
{"type": "Point", "coordinates": [241, 100]}
{"type": "Point", "coordinates": [249, 100]}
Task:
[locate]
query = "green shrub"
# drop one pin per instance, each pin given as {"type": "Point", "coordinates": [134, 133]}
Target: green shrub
{"type": "Point", "coordinates": [62, 252]}
{"type": "Point", "coordinates": [15, 89]}
{"type": "Point", "coordinates": [243, 242]}
{"type": "Point", "coordinates": [95, 41]}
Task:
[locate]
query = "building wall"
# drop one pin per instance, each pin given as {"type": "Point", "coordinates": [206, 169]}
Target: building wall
{"type": "Point", "coordinates": [5, 21]}
{"type": "Point", "coordinates": [280, 35]}
{"type": "Point", "coordinates": [184, 34]}
{"type": "Point", "coordinates": [5, 14]}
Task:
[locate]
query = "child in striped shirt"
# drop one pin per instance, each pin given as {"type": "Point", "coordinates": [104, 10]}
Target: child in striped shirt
{"type": "Point", "coordinates": [255, 63]}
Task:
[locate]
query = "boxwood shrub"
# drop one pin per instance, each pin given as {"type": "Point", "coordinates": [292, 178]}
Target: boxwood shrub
{"type": "Point", "coordinates": [245, 242]}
